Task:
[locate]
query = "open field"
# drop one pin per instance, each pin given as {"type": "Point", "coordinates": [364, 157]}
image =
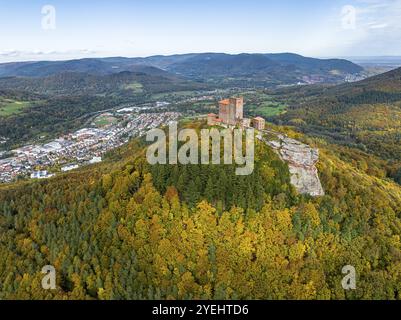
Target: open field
{"type": "Point", "coordinates": [271, 109]}
{"type": "Point", "coordinates": [261, 104]}
{"type": "Point", "coordinates": [136, 87]}
{"type": "Point", "coordinates": [105, 120]}
{"type": "Point", "coordinates": [9, 107]}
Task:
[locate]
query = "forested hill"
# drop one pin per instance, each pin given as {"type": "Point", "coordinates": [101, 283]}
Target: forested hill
{"type": "Point", "coordinates": [277, 68]}
{"type": "Point", "coordinates": [125, 230]}
{"type": "Point", "coordinates": [144, 79]}
{"type": "Point", "coordinates": [365, 114]}
{"type": "Point", "coordinates": [387, 82]}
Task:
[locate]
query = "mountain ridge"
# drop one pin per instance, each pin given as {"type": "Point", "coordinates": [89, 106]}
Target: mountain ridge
{"type": "Point", "coordinates": [269, 68]}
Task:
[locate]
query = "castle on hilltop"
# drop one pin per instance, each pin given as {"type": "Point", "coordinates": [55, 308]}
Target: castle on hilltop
{"type": "Point", "coordinates": [231, 114]}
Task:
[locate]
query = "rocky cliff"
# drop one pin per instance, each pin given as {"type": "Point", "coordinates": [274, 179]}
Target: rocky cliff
{"type": "Point", "coordinates": [301, 161]}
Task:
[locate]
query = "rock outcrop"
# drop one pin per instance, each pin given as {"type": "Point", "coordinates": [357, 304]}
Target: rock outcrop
{"type": "Point", "coordinates": [301, 161]}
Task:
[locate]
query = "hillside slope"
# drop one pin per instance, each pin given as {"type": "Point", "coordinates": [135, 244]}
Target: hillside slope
{"type": "Point", "coordinates": [124, 230]}
{"type": "Point", "coordinates": [366, 114]}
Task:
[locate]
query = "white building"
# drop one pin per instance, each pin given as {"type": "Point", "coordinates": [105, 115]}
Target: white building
{"type": "Point", "coordinates": [69, 167]}
{"type": "Point", "coordinates": [95, 160]}
{"type": "Point", "coordinates": [41, 175]}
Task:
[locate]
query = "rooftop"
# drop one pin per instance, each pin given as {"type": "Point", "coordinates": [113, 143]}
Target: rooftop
{"type": "Point", "coordinates": [259, 119]}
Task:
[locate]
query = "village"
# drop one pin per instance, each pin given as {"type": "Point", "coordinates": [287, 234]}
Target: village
{"type": "Point", "coordinates": [85, 146]}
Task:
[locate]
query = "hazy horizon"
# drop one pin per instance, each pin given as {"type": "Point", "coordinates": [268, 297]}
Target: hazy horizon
{"type": "Point", "coordinates": [383, 59]}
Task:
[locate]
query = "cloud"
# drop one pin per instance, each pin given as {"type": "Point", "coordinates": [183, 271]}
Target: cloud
{"type": "Point", "coordinates": [378, 26]}
{"type": "Point", "coordinates": [379, 14]}
{"type": "Point", "coordinates": [28, 55]}
{"type": "Point", "coordinates": [376, 29]}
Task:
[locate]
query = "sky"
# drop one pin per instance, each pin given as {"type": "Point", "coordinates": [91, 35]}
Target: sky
{"type": "Point", "coordinates": [54, 29]}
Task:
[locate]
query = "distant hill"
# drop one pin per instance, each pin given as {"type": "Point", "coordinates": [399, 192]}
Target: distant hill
{"type": "Point", "coordinates": [91, 66]}
{"type": "Point", "coordinates": [385, 82]}
{"type": "Point", "coordinates": [274, 67]}
{"type": "Point", "coordinates": [47, 68]}
{"type": "Point", "coordinates": [316, 65]}
{"type": "Point", "coordinates": [141, 79]}
{"type": "Point", "coordinates": [239, 69]}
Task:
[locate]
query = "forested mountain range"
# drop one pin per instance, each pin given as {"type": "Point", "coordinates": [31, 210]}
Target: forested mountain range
{"type": "Point", "coordinates": [259, 68]}
{"type": "Point", "coordinates": [274, 67]}
{"type": "Point", "coordinates": [125, 230]}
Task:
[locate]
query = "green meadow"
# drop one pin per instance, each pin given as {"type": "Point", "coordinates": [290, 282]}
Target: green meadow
{"type": "Point", "coordinates": [271, 109]}
{"type": "Point", "coordinates": [9, 107]}
{"type": "Point", "coordinates": [103, 121]}
{"type": "Point", "coordinates": [262, 104]}
{"type": "Point", "coordinates": [135, 86]}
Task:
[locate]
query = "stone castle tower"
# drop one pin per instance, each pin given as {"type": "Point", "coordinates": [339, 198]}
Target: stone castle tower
{"type": "Point", "coordinates": [231, 111]}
